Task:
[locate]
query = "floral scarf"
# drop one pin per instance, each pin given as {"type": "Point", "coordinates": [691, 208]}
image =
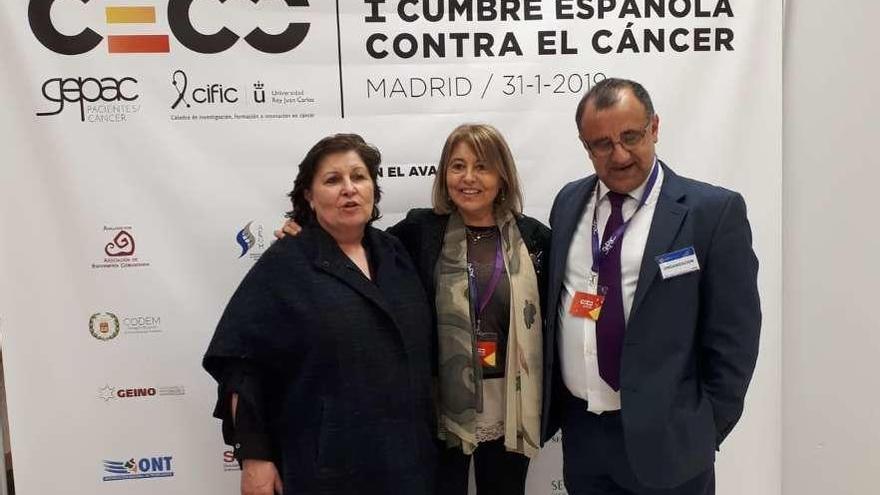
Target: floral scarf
{"type": "Point", "coordinates": [460, 371]}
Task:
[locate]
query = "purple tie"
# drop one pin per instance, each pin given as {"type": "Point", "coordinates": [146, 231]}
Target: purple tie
{"type": "Point", "coordinates": [610, 327]}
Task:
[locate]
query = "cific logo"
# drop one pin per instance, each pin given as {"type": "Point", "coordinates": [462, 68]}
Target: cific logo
{"type": "Point", "coordinates": [210, 93]}
{"type": "Point", "coordinates": [180, 22]}
{"type": "Point", "coordinates": [145, 467]}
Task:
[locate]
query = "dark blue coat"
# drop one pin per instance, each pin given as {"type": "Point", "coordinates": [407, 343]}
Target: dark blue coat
{"type": "Point", "coordinates": [340, 365]}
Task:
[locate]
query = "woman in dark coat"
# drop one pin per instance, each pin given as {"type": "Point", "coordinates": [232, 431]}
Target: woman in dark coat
{"type": "Point", "coordinates": [323, 353]}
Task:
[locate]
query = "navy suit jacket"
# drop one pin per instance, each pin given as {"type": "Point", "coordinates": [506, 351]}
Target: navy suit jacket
{"type": "Point", "coordinates": [691, 341]}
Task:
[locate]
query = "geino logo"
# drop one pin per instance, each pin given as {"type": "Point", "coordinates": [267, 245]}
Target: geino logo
{"type": "Point", "coordinates": [104, 326]}
{"type": "Point", "coordinates": [146, 467]}
{"type": "Point", "coordinates": [180, 22]}
{"type": "Point", "coordinates": [107, 95]}
{"type": "Point", "coordinates": [108, 393]}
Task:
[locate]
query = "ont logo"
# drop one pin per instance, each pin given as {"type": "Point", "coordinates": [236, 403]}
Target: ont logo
{"type": "Point", "coordinates": [39, 16]}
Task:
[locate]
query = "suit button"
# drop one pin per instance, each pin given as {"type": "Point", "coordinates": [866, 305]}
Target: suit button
{"type": "Point", "coordinates": [325, 264]}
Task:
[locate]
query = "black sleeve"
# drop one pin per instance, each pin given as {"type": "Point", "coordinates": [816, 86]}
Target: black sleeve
{"type": "Point", "coordinates": [247, 432]}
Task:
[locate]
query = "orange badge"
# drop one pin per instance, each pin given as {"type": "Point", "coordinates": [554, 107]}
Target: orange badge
{"type": "Point", "coordinates": [486, 350]}
{"type": "Point", "coordinates": [584, 305]}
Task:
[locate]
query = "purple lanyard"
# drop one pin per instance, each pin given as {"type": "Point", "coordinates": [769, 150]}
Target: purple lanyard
{"type": "Point", "coordinates": [601, 253]}
{"type": "Point", "coordinates": [480, 303]}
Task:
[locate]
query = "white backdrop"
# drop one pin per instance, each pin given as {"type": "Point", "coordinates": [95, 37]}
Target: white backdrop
{"type": "Point", "coordinates": [123, 214]}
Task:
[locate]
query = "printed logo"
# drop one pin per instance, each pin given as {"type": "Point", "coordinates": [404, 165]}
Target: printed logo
{"type": "Point", "coordinates": [247, 241]}
{"type": "Point", "coordinates": [119, 250]}
{"type": "Point", "coordinates": [104, 326]}
{"type": "Point", "coordinates": [108, 393]}
{"type": "Point", "coordinates": [229, 462]}
{"type": "Point", "coordinates": [180, 22]}
{"type": "Point", "coordinates": [104, 100]}
{"type": "Point", "coordinates": [209, 93]}
{"type": "Point", "coordinates": [122, 245]}
{"type": "Point", "coordinates": [195, 99]}
{"type": "Point", "coordinates": [146, 467]}
{"type": "Point", "coordinates": [557, 487]}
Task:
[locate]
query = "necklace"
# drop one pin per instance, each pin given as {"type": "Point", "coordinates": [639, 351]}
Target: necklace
{"type": "Point", "coordinates": [477, 234]}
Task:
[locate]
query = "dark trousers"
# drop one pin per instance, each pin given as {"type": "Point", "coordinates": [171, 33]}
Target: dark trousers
{"type": "Point", "coordinates": [497, 471]}
{"type": "Point", "coordinates": [594, 460]}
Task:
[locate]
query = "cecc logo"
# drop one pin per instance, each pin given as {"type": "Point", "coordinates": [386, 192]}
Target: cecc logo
{"type": "Point", "coordinates": [179, 20]}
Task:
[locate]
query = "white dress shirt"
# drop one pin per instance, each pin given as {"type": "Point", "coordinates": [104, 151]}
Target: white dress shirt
{"type": "Point", "coordinates": [577, 336]}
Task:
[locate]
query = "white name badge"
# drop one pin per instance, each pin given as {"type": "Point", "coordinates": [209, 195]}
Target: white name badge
{"type": "Point", "coordinates": [678, 262]}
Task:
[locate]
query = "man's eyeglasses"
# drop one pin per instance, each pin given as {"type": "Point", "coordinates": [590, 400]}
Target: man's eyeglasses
{"type": "Point", "coordinates": [628, 140]}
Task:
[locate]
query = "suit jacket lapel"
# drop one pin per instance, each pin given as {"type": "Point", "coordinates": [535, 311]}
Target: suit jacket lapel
{"type": "Point", "coordinates": [332, 260]}
{"type": "Point", "coordinates": [669, 214]}
{"type": "Point", "coordinates": [563, 231]}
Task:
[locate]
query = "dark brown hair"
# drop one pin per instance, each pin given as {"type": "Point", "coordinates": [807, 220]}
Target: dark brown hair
{"type": "Point", "coordinates": [337, 143]}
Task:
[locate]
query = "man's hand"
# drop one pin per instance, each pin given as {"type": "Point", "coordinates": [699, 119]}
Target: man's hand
{"type": "Point", "coordinates": [290, 228]}
{"type": "Point", "coordinates": [259, 477]}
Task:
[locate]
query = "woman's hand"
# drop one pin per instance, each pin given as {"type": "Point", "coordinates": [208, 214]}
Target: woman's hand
{"type": "Point", "coordinates": [259, 477]}
{"type": "Point", "coordinates": [290, 228]}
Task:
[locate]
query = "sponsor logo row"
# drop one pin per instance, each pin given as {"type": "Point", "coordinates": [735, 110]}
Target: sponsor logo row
{"type": "Point", "coordinates": [115, 99]}
{"type": "Point", "coordinates": [121, 251]}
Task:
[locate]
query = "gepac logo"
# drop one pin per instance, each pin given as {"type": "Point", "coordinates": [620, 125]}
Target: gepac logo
{"type": "Point", "coordinates": [145, 467]}
{"type": "Point", "coordinates": [104, 326]}
{"type": "Point", "coordinates": [179, 20]}
{"type": "Point", "coordinates": [99, 98]}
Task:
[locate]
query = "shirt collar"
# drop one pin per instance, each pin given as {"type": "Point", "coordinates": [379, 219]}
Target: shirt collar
{"type": "Point", "coordinates": [636, 193]}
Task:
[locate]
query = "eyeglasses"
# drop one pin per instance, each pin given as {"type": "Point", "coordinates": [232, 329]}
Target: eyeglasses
{"type": "Point", "coordinates": [628, 140]}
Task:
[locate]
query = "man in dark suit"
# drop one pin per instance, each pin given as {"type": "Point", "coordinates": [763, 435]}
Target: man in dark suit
{"type": "Point", "coordinates": [653, 311]}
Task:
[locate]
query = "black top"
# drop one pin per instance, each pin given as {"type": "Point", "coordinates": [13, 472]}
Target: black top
{"type": "Point", "coordinates": [422, 232]}
{"type": "Point", "coordinates": [491, 325]}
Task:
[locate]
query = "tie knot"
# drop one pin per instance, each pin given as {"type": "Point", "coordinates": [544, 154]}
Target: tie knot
{"type": "Point", "coordinates": [616, 199]}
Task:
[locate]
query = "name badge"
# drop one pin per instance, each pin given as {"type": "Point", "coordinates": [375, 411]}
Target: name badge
{"type": "Point", "coordinates": [678, 263]}
{"type": "Point", "coordinates": [487, 350]}
{"type": "Point", "coordinates": [586, 305]}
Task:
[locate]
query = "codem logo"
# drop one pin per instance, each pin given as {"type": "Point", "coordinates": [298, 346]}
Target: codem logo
{"type": "Point", "coordinates": [179, 20]}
